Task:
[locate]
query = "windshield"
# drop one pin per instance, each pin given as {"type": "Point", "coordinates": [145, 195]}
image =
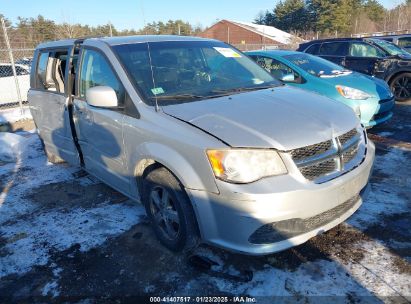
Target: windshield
{"type": "Point", "coordinates": [316, 66]}
{"type": "Point", "coordinates": [390, 47]}
{"type": "Point", "coordinates": [175, 71]}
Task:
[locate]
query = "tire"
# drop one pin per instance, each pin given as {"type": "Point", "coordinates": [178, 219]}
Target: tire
{"type": "Point", "coordinates": [400, 85]}
{"type": "Point", "coordinates": [169, 210]}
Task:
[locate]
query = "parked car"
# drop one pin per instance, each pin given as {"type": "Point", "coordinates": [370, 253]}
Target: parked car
{"type": "Point", "coordinates": [369, 97]}
{"type": "Point", "coordinates": [403, 40]}
{"type": "Point", "coordinates": [8, 90]}
{"type": "Point", "coordinates": [26, 61]}
{"type": "Point", "coordinates": [215, 148]}
{"type": "Point", "coordinates": [371, 56]}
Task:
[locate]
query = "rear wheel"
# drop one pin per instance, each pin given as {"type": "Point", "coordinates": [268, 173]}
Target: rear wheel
{"type": "Point", "coordinates": [401, 87]}
{"type": "Point", "coordinates": [169, 210]}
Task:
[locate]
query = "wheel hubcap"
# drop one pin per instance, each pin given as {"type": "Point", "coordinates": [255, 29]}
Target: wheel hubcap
{"type": "Point", "coordinates": [402, 87]}
{"type": "Point", "coordinates": [164, 212]}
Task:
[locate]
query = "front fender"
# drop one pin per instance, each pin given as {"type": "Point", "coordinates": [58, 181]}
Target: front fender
{"type": "Point", "coordinates": [196, 175]}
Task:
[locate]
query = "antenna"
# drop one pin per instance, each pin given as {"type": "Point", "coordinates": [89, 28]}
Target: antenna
{"type": "Point", "coordinates": [152, 76]}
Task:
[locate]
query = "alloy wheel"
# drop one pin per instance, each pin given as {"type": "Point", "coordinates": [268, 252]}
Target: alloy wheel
{"type": "Point", "coordinates": [402, 87]}
{"type": "Point", "coordinates": [164, 212]}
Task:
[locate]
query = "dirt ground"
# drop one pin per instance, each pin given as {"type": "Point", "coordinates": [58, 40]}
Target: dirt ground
{"type": "Point", "coordinates": [64, 236]}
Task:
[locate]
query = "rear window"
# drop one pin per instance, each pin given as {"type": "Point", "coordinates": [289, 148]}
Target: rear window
{"type": "Point", "coordinates": [334, 48]}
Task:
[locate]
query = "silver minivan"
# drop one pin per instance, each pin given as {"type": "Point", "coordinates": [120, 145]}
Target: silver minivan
{"type": "Point", "coordinates": [215, 148]}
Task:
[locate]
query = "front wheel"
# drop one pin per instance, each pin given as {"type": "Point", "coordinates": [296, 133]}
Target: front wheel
{"type": "Point", "coordinates": [169, 210]}
{"type": "Point", "coordinates": [400, 86]}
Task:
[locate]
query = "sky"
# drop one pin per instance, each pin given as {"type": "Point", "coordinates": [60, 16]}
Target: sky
{"type": "Point", "coordinates": [127, 14]}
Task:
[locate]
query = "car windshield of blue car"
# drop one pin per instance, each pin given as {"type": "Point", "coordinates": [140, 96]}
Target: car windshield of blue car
{"type": "Point", "coordinates": [170, 72]}
{"type": "Point", "coordinates": [317, 66]}
{"type": "Point", "coordinates": [391, 48]}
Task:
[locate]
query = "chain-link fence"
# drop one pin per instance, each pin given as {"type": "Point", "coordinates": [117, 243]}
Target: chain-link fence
{"type": "Point", "coordinates": [14, 87]}
{"type": "Point", "coordinates": [15, 64]}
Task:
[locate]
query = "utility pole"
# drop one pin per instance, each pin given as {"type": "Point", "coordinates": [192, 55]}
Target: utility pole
{"type": "Point", "coordinates": [13, 67]}
{"type": "Point", "coordinates": [111, 29]}
{"type": "Point", "coordinates": [179, 29]}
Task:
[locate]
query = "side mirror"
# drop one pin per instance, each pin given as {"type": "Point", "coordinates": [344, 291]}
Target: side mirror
{"type": "Point", "coordinates": [102, 96]}
{"type": "Point", "coordinates": [288, 78]}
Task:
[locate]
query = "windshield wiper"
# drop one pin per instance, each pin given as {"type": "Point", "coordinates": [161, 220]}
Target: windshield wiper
{"type": "Point", "coordinates": [177, 97]}
{"type": "Point", "coordinates": [243, 89]}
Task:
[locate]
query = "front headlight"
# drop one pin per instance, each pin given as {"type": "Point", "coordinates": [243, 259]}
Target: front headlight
{"type": "Point", "coordinates": [351, 93]}
{"type": "Point", "coordinates": [245, 165]}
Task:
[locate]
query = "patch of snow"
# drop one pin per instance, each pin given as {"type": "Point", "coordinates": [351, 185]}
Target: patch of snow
{"type": "Point", "coordinates": [378, 272]}
{"type": "Point", "coordinates": [386, 134]}
{"type": "Point", "coordinates": [10, 146]}
{"type": "Point", "coordinates": [51, 289]}
{"type": "Point", "coordinates": [14, 115]}
{"type": "Point", "coordinates": [149, 289]}
{"type": "Point", "coordinates": [268, 31]}
{"type": "Point", "coordinates": [384, 197]}
{"type": "Point", "coordinates": [310, 279]}
{"type": "Point", "coordinates": [32, 234]}
{"type": "Point", "coordinates": [35, 171]}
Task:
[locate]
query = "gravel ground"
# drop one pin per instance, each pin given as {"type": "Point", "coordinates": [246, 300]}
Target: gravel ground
{"type": "Point", "coordinates": [66, 236]}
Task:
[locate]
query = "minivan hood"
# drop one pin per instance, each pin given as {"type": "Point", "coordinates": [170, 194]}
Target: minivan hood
{"type": "Point", "coordinates": [283, 118]}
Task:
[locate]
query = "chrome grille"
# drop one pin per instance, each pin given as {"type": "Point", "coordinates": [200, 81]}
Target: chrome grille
{"type": "Point", "coordinates": [314, 171]}
{"type": "Point", "coordinates": [347, 136]}
{"type": "Point", "coordinates": [326, 160]}
{"type": "Point", "coordinates": [350, 154]}
{"type": "Point", "coordinates": [311, 150]}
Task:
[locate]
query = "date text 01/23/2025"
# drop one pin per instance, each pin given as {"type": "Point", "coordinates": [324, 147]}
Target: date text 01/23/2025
{"type": "Point", "coordinates": [205, 299]}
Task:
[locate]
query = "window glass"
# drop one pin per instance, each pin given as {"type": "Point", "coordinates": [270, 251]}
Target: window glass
{"type": "Point", "coordinates": [391, 48]}
{"type": "Point", "coordinates": [96, 71]}
{"type": "Point", "coordinates": [186, 71]}
{"type": "Point", "coordinates": [313, 49]}
{"type": "Point", "coordinates": [275, 67]}
{"type": "Point", "coordinates": [51, 70]}
{"type": "Point", "coordinates": [316, 66]}
{"type": "Point", "coordinates": [404, 42]}
{"type": "Point", "coordinates": [359, 49]}
{"type": "Point", "coordinates": [334, 48]}
{"type": "Point", "coordinates": [41, 71]}
{"type": "Point", "coordinates": [6, 71]}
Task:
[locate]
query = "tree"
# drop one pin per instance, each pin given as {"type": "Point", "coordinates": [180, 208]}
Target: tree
{"type": "Point", "coordinates": [374, 10]}
{"type": "Point", "coordinates": [291, 15]}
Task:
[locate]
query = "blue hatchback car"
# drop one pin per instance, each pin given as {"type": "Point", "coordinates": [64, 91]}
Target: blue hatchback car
{"type": "Point", "coordinates": [369, 97]}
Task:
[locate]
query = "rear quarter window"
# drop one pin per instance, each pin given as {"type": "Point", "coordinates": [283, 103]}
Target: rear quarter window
{"type": "Point", "coordinates": [313, 49]}
{"type": "Point", "coordinates": [334, 48]}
